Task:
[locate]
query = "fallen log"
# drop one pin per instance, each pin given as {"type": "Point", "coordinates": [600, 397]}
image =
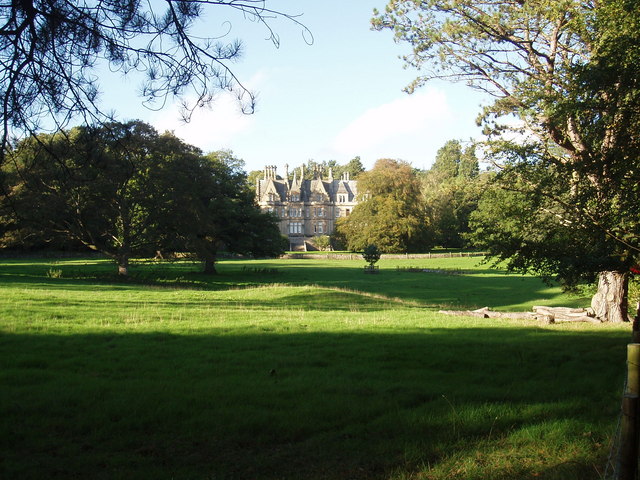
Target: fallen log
{"type": "Point", "coordinates": [546, 314]}
{"type": "Point", "coordinates": [565, 314]}
{"type": "Point", "coordinates": [584, 318]}
{"type": "Point", "coordinates": [464, 313]}
{"type": "Point", "coordinates": [564, 310]}
{"type": "Point", "coordinates": [486, 313]}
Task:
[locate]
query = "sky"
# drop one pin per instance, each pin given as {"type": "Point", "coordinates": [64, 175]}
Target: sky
{"type": "Point", "coordinates": [332, 98]}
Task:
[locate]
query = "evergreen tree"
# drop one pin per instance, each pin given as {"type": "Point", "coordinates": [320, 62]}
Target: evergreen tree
{"type": "Point", "coordinates": [569, 72]}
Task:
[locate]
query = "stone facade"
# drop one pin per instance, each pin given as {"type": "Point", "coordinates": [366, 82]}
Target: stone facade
{"type": "Point", "coordinates": [306, 208]}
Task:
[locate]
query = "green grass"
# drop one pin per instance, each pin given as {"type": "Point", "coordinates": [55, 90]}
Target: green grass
{"type": "Point", "coordinates": [297, 370]}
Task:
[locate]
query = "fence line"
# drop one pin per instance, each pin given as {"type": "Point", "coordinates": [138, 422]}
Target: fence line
{"type": "Point", "coordinates": [389, 256]}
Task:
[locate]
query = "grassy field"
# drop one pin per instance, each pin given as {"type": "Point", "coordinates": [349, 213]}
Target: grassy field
{"type": "Point", "coordinates": [297, 369]}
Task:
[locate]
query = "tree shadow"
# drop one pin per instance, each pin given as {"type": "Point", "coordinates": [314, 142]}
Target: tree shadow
{"type": "Point", "coordinates": [481, 288]}
{"type": "Point", "coordinates": [300, 405]}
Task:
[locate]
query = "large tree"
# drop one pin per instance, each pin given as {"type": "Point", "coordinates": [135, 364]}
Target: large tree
{"type": "Point", "coordinates": [125, 190]}
{"type": "Point", "coordinates": [564, 125]}
{"type": "Point", "coordinates": [390, 213]}
{"type": "Point", "coordinates": [226, 215]}
{"type": "Point", "coordinates": [451, 190]}
{"type": "Point", "coordinates": [51, 53]}
{"type": "Point", "coordinates": [117, 189]}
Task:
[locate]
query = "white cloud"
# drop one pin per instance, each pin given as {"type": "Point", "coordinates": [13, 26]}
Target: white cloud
{"type": "Point", "coordinates": [409, 115]}
{"type": "Point", "coordinates": [211, 127]}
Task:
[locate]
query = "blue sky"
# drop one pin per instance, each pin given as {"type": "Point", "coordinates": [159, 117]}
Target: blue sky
{"type": "Point", "coordinates": [336, 98]}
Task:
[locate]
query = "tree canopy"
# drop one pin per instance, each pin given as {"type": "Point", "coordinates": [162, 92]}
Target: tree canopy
{"type": "Point", "coordinates": [51, 53]}
{"type": "Point", "coordinates": [451, 191]}
{"type": "Point", "coordinates": [226, 214]}
{"type": "Point", "coordinates": [563, 128]}
{"type": "Point", "coordinates": [390, 214]}
{"type": "Point", "coordinates": [125, 190]}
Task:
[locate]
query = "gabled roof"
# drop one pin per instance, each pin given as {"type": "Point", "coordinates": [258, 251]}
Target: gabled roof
{"type": "Point", "coordinates": [317, 186]}
{"type": "Point", "coordinates": [272, 186]}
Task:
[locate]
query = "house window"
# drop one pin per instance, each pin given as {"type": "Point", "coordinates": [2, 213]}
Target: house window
{"type": "Point", "coordinates": [295, 197]}
{"type": "Point", "coordinates": [337, 212]}
{"type": "Point", "coordinates": [295, 227]}
{"type": "Point", "coordinates": [272, 197]}
{"type": "Point", "coordinates": [342, 198]}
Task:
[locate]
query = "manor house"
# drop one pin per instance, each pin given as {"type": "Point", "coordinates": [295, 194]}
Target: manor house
{"type": "Point", "coordinates": [306, 208]}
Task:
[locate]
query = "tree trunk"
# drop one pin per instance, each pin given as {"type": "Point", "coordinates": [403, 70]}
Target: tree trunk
{"type": "Point", "coordinates": [123, 265]}
{"type": "Point", "coordinates": [610, 301]}
{"type": "Point", "coordinates": [209, 264]}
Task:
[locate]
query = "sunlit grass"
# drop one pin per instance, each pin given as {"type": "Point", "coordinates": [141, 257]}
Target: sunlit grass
{"type": "Point", "coordinates": [316, 371]}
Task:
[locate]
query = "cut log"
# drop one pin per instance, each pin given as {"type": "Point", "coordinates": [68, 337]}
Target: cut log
{"type": "Point", "coordinates": [566, 314]}
{"type": "Point", "coordinates": [513, 315]}
{"type": "Point", "coordinates": [486, 313]}
{"type": "Point", "coordinates": [464, 313]}
{"type": "Point", "coordinates": [577, 319]}
{"type": "Point", "coordinates": [540, 313]}
{"type": "Point", "coordinates": [564, 310]}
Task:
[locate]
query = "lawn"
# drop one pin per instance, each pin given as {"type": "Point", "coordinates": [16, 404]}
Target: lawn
{"type": "Point", "coordinates": [297, 369]}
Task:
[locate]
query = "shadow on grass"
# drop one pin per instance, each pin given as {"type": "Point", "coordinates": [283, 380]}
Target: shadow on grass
{"type": "Point", "coordinates": [308, 405]}
{"type": "Point", "coordinates": [484, 287]}
{"type": "Point", "coordinates": [283, 299]}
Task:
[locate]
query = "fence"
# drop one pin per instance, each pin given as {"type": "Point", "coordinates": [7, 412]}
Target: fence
{"type": "Point", "coordinates": [624, 455]}
{"type": "Point", "coordinates": [392, 256]}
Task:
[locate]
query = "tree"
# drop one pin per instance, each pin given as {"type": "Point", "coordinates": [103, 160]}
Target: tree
{"type": "Point", "coordinates": [51, 53]}
{"type": "Point", "coordinates": [312, 168]}
{"type": "Point", "coordinates": [322, 242]}
{"type": "Point", "coordinates": [371, 255]}
{"type": "Point", "coordinates": [390, 213]}
{"type": "Point", "coordinates": [568, 71]}
{"type": "Point", "coordinates": [451, 190]}
{"type": "Point", "coordinates": [227, 216]}
{"type": "Point", "coordinates": [124, 190]}
{"type": "Point", "coordinates": [354, 167]}
{"type": "Point", "coordinates": [448, 157]}
{"type": "Point", "coordinates": [117, 189]}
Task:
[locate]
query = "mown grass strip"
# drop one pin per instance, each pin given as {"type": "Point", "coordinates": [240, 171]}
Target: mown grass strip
{"type": "Point", "coordinates": [104, 379]}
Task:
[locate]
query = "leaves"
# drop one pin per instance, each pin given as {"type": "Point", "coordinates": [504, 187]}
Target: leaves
{"type": "Point", "coordinates": [563, 130]}
{"type": "Point", "coordinates": [390, 214]}
{"type": "Point", "coordinates": [123, 189]}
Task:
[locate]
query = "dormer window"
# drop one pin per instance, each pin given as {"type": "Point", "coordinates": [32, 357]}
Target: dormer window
{"type": "Point", "coordinates": [272, 197]}
{"type": "Point", "coordinates": [342, 198]}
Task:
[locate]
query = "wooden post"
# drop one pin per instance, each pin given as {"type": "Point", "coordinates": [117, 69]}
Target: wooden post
{"type": "Point", "coordinates": [628, 456]}
{"type": "Point", "coordinates": [636, 325]}
{"type": "Point", "coordinates": [633, 369]}
{"type": "Point", "coordinates": [628, 461]}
